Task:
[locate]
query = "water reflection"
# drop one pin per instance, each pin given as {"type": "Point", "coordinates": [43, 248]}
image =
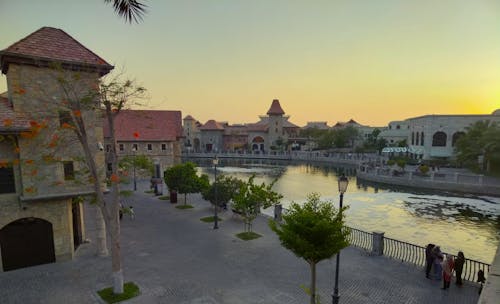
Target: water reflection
{"type": "Point", "coordinates": [456, 222]}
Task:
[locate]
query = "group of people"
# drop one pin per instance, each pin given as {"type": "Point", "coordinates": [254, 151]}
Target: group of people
{"type": "Point", "coordinates": [442, 265]}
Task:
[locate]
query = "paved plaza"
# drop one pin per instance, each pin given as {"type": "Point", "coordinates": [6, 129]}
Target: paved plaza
{"type": "Point", "coordinates": [176, 258]}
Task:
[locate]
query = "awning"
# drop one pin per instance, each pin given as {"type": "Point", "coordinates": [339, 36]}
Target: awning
{"type": "Point", "coordinates": [402, 150]}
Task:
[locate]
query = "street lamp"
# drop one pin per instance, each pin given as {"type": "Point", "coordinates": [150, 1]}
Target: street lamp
{"type": "Point", "coordinates": [343, 182]}
{"type": "Point", "coordinates": [215, 162]}
{"type": "Point", "coordinates": [134, 149]}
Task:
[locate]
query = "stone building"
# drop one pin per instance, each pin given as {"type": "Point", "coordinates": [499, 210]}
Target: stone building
{"type": "Point", "coordinates": [41, 167]}
{"type": "Point", "coordinates": [191, 134]}
{"type": "Point", "coordinates": [153, 133]}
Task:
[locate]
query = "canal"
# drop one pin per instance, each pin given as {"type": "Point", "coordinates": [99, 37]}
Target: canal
{"type": "Point", "coordinates": [468, 223]}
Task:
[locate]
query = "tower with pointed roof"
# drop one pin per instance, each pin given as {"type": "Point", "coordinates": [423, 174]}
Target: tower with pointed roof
{"type": "Point", "coordinates": [276, 134]}
{"type": "Point", "coordinates": [38, 180]}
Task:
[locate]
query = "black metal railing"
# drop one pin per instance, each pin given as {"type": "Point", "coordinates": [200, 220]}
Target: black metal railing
{"type": "Point", "coordinates": [410, 253]}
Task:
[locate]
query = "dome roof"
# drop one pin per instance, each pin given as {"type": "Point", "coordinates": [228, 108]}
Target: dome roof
{"type": "Point", "coordinates": [496, 112]}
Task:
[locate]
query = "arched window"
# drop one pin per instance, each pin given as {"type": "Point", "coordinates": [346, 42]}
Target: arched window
{"type": "Point", "coordinates": [398, 127]}
{"type": "Point", "coordinates": [439, 139]}
{"type": "Point", "coordinates": [412, 138]}
{"type": "Point", "coordinates": [455, 137]}
{"type": "Point", "coordinates": [422, 138]}
{"type": "Point", "coordinates": [416, 140]}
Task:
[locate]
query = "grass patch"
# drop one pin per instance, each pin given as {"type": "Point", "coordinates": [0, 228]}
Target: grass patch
{"type": "Point", "coordinates": [184, 207]}
{"type": "Point", "coordinates": [164, 197]}
{"type": "Point", "coordinates": [209, 219]}
{"type": "Point", "coordinates": [126, 193]}
{"type": "Point", "coordinates": [247, 236]}
{"type": "Point", "coordinates": [149, 191]}
{"type": "Point", "coordinates": [130, 290]}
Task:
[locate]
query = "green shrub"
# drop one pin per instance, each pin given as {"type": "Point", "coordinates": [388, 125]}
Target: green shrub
{"type": "Point", "coordinates": [423, 169]}
{"type": "Point", "coordinates": [130, 290]}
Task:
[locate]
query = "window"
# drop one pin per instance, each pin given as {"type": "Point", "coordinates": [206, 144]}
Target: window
{"type": "Point", "coordinates": [422, 138]}
{"type": "Point", "coordinates": [439, 139]}
{"type": "Point", "coordinates": [134, 147]}
{"type": "Point", "coordinates": [416, 140]}
{"type": "Point", "coordinates": [150, 147]}
{"type": "Point", "coordinates": [398, 127]}
{"type": "Point", "coordinates": [110, 167]}
{"type": "Point", "coordinates": [65, 118]}
{"type": "Point", "coordinates": [69, 170]}
{"type": "Point", "coordinates": [456, 137]}
{"type": "Point", "coordinates": [108, 148]}
{"type": "Point", "coordinates": [164, 146]}
{"type": "Point", "coordinates": [7, 182]}
{"type": "Point", "coordinates": [412, 138]}
{"type": "Point", "coordinates": [120, 147]}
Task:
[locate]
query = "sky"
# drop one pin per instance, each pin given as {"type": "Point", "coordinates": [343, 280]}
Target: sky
{"type": "Point", "coordinates": [325, 60]}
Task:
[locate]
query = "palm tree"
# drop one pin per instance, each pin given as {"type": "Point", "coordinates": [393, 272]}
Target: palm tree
{"type": "Point", "coordinates": [131, 10]}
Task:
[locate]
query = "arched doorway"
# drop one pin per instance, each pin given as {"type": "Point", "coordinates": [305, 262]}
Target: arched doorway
{"type": "Point", "coordinates": [27, 242]}
{"type": "Point", "coordinates": [258, 143]}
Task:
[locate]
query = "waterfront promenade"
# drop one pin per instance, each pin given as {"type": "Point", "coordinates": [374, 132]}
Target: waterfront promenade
{"type": "Point", "coordinates": [176, 258]}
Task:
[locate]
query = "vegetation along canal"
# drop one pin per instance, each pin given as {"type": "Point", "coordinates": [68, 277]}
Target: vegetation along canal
{"type": "Point", "coordinates": [456, 222]}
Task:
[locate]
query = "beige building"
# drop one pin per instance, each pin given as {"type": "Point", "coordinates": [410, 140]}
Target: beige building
{"type": "Point", "coordinates": [41, 167]}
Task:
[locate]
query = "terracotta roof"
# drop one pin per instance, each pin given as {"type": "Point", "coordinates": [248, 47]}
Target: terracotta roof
{"type": "Point", "coordinates": [149, 125]}
{"type": "Point", "coordinates": [257, 127]}
{"type": "Point", "coordinates": [212, 125]}
{"type": "Point", "coordinates": [275, 108]}
{"type": "Point", "coordinates": [52, 44]}
{"type": "Point", "coordinates": [10, 121]}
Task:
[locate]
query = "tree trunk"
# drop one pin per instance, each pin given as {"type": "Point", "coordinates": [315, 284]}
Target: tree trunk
{"type": "Point", "coordinates": [116, 261]}
{"type": "Point", "coordinates": [313, 282]}
{"type": "Point", "coordinates": [102, 246]}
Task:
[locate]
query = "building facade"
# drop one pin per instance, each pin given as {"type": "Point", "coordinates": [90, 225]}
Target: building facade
{"type": "Point", "coordinates": [42, 173]}
{"type": "Point", "coordinates": [156, 134]}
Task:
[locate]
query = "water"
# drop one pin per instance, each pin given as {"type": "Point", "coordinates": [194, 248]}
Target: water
{"type": "Point", "coordinates": [454, 221]}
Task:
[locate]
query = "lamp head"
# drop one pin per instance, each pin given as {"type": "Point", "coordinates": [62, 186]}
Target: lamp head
{"type": "Point", "coordinates": [215, 161]}
{"type": "Point", "coordinates": [343, 182]}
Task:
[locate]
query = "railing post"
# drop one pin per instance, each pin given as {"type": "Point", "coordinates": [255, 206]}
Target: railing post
{"type": "Point", "coordinates": [378, 243]}
{"type": "Point", "coordinates": [455, 177]}
{"type": "Point", "coordinates": [432, 176]}
{"type": "Point", "coordinates": [410, 176]}
{"type": "Point", "coordinates": [480, 180]}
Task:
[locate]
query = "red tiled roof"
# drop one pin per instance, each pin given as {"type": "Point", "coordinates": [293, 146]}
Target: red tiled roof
{"type": "Point", "coordinates": [257, 127]}
{"type": "Point", "coordinates": [275, 108]}
{"type": "Point", "coordinates": [149, 125]}
{"type": "Point", "coordinates": [11, 121]}
{"type": "Point", "coordinates": [212, 125]}
{"type": "Point", "coordinates": [52, 44]}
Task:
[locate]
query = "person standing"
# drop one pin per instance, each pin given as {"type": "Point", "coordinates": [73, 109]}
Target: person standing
{"type": "Point", "coordinates": [429, 259]}
{"type": "Point", "coordinates": [448, 266]}
{"type": "Point", "coordinates": [459, 266]}
{"type": "Point", "coordinates": [437, 256]}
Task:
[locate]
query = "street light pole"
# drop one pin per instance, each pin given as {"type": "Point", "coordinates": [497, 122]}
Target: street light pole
{"type": "Point", "coordinates": [133, 163]}
{"type": "Point", "coordinates": [343, 182]}
{"type": "Point", "coordinates": [215, 162]}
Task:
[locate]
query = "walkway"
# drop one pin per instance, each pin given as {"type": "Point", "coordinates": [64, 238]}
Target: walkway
{"type": "Point", "coordinates": [176, 258]}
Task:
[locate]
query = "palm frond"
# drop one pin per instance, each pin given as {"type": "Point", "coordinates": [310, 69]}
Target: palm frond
{"type": "Point", "coordinates": [131, 10]}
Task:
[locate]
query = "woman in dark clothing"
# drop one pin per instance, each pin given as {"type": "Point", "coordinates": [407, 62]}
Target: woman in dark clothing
{"type": "Point", "coordinates": [459, 266]}
{"type": "Point", "coordinates": [429, 258]}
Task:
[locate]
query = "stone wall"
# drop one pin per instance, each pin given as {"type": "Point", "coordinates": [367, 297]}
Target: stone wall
{"type": "Point", "coordinates": [57, 212]}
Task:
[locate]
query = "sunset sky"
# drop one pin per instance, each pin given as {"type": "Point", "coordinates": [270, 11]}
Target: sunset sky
{"type": "Point", "coordinates": [325, 60]}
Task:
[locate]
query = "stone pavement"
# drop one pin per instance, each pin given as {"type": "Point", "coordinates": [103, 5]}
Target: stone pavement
{"type": "Point", "coordinates": [176, 258]}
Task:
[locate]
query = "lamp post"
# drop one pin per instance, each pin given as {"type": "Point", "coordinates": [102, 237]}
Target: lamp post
{"type": "Point", "coordinates": [134, 149]}
{"type": "Point", "coordinates": [343, 182]}
{"type": "Point", "coordinates": [215, 162]}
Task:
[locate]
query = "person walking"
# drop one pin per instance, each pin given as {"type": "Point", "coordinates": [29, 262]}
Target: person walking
{"type": "Point", "coordinates": [459, 266]}
{"type": "Point", "coordinates": [429, 259]}
{"type": "Point", "coordinates": [437, 256]}
{"type": "Point", "coordinates": [448, 266]}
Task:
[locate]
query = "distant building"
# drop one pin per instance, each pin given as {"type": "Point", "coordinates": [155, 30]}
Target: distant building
{"type": "Point", "coordinates": [156, 134]}
{"type": "Point", "coordinates": [41, 221]}
{"type": "Point", "coordinates": [272, 132]}
{"type": "Point", "coordinates": [320, 125]}
{"type": "Point", "coordinates": [396, 132]}
{"type": "Point", "coordinates": [434, 136]}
